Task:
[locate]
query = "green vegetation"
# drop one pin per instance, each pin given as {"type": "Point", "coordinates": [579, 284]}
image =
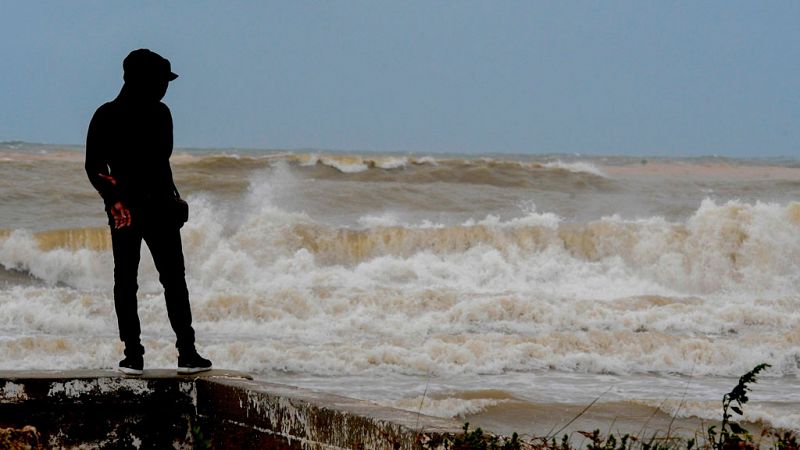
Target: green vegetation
{"type": "Point", "coordinates": [478, 441]}
{"type": "Point", "coordinates": [199, 440]}
{"type": "Point", "coordinates": [730, 436]}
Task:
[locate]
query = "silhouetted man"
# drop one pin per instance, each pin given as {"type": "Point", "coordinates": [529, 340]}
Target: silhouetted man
{"type": "Point", "coordinates": [127, 160]}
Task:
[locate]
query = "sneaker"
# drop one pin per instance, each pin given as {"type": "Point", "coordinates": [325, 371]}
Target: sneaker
{"type": "Point", "coordinates": [192, 363]}
{"type": "Point", "coordinates": [131, 365]}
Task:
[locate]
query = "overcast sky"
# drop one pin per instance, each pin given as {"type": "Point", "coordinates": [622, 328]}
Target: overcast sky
{"type": "Point", "coordinates": [599, 77]}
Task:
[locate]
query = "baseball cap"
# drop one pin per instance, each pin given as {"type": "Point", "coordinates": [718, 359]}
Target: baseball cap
{"type": "Point", "coordinates": [145, 64]}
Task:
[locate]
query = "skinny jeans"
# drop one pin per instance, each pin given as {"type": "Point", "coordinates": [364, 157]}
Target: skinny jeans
{"type": "Point", "coordinates": [164, 241]}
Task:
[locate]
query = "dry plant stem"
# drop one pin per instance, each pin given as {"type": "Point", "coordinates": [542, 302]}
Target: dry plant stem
{"type": "Point", "coordinates": [611, 425]}
{"type": "Point", "coordinates": [421, 402]}
{"type": "Point", "coordinates": [583, 411]}
{"type": "Point", "coordinates": [680, 405]}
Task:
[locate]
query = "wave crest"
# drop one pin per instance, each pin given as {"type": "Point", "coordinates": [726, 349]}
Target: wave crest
{"type": "Point", "coordinates": [729, 246]}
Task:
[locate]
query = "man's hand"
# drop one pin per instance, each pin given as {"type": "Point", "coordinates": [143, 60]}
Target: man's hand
{"type": "Point", "coordinates": [108, 178]}
{"type": "Point", "coordinates": [121, 215]}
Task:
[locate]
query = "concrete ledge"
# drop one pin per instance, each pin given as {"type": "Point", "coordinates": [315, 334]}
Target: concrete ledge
{"type": "Point", "coordinates": [103, 409]}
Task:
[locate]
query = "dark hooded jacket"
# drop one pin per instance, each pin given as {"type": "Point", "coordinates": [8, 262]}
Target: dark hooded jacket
{"type": "Point", "coordinates": [131, 140]}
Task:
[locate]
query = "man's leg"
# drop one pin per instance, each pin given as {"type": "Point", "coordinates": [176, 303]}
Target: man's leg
{"type": "Point", "coordinates": [126, 244]}
{"type": "Point", "coordinates": [164, 241]}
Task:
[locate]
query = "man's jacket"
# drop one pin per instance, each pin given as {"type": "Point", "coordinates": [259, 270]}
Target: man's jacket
{"type": "Point", "coordinates": [132, 142]}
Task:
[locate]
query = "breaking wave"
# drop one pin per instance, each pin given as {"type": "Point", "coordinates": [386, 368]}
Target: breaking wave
{"type": "Point", "coordinates": [733, 246]}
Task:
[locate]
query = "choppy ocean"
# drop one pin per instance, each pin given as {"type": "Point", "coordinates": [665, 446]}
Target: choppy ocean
{"type": "Point", "coordinates": [496, 288]}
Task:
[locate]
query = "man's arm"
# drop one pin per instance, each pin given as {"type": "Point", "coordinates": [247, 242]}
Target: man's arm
{"type": "Point", "coordinates": [96, 167]}
{"type": "Point", "coordinates": [96, 164]}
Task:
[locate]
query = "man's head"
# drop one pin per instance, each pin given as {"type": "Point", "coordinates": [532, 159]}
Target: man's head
{"type": "Point", "coordinates": [148, 73]}
{"type": "Point", "coordinates": [142, 64]}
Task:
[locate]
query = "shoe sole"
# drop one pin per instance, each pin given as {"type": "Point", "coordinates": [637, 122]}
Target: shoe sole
{"type": "Point", "coordinates": [188, 370]}
{"type": "Point", "coordinates": [130, 371]}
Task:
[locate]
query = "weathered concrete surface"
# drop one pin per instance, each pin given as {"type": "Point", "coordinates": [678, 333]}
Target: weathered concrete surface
{"type": "Point", "coordinates": [11, 438]}
{"type": "Point", "coordinates": [257, 413]}
{"type": "Point", "coordinates": [102, 409]}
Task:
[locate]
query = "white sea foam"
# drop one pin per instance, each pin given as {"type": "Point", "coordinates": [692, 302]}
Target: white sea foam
{"type": "Point", "coordinates": [635, 296]}
{"type": "Point", "coordinates": [426, 160]}
{"type": "Point", "coordinates": [444, 407]}
{"type": "Point", "coordinates": [345, 164]}
{"type": "Point", "coordinates": [307, 160]}
{"type": "Point", "coordinates": [391, 163]}
{"type": "Point", "coordinates": [386, 219]}
{"type": "Point", "coordinates": [577, 167]}
{"type": "Point", "coordinates": [79, 268]}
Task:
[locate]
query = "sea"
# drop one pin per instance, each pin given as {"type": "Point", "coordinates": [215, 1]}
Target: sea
{"type": "Point", "coordinates": [530, 293]}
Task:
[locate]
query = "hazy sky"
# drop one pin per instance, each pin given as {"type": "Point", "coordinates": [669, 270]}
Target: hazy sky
{"type": "Point", "coordinates": [599, 77]}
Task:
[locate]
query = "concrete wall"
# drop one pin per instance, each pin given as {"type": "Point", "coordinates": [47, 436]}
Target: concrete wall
{"type": "Point", "coordinates": [100, 409]}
